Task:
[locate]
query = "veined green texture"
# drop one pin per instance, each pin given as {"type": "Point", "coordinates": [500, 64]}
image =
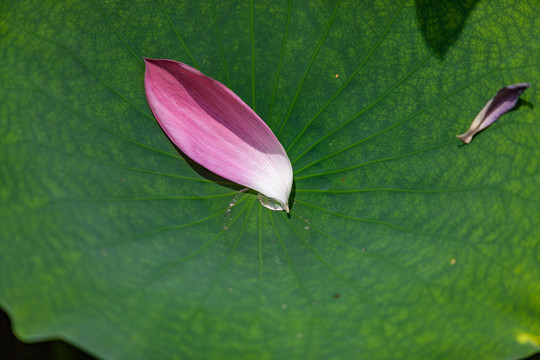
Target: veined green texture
{"type": "Point", "coordinates": [401, 243]}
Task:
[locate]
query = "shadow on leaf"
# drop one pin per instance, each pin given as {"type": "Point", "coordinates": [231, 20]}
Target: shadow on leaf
{"type": "Point", "coordinates": [523, 102]}
{"type": "Point", "coordinates": [209, 175]}
{"type": "Point", "coordinates": [441, 22]}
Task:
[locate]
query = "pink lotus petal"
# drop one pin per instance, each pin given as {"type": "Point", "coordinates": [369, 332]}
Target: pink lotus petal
{"type": "Point", "coordinates": [215, 128]}
{"type": "Point", "coordinates": [505, 99]}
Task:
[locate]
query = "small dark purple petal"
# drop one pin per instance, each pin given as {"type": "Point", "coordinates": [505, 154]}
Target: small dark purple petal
{"type": "Point", "coordinates": [505, 99]}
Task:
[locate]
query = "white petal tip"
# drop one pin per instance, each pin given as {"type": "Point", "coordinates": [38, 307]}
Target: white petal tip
{"type": "Point", "coordinates": [466, 138]}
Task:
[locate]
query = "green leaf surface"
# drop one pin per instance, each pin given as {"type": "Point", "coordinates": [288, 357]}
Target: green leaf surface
{"type": "Point", "coordinates": [402, 243]}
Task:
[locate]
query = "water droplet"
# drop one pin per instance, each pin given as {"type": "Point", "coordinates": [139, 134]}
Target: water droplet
{"type": "Point", "coordinates": [269, 203]}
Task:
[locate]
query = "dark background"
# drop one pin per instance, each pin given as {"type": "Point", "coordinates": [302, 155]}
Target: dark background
{"type": "Point", "coordinates": [13, 349]}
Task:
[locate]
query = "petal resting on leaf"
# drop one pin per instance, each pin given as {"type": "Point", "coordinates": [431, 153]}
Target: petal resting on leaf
{"type": "Point", "coordinates": [215, 128]}
{"type": "Point", "coordinates": [505, 99]}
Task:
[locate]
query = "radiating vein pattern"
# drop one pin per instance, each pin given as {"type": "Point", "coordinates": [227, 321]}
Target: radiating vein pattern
{"type": "Point", "coordinates": [114, 239]}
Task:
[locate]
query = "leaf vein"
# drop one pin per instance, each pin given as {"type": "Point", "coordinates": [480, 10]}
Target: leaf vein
{"type": "Point", "coordinates": [308, 68]}
{"type": "Point", "coordinates": [346, 83]}
{"type": "Point", "coordinates": [392, 158]}
{"type": "Point", "coordinates": [177, 33]}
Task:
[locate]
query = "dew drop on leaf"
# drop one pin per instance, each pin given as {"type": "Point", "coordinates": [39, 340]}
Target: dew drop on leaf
{"type": "Point", "coordinates": [269, 203]}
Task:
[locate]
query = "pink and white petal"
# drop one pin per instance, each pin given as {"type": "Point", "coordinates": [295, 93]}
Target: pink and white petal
{"type": "Point", "coordinates": [215, 128]}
